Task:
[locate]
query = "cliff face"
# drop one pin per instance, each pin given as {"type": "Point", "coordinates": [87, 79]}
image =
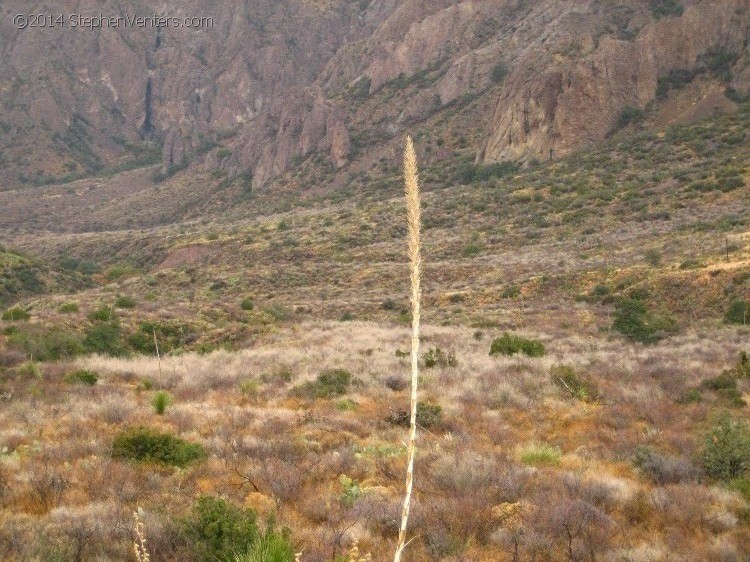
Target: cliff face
{"type": "Point", "coordinates": [273, 82]}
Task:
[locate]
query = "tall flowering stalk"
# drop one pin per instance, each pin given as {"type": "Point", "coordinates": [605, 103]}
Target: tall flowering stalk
{"type": "Point", "coordinates": [411, 183]}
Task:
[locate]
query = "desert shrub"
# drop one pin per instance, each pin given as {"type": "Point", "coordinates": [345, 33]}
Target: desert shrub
{"type": "Point", "coordinates": [272, 546]}
{"type": "Point", "coordinates": [665, 8]}
{"type": "Point", "coordinates": [742, 368]}
{"type": "Point", "coordinates": [579, 387]}
{"type": "Point", "coordinates": [633, 320]}
{"type": "Point", "coordinates": [676, 79]}
{"type": "Point", "coordinates": [396, 383]}
{"type": "Point", "coordinates": [653, 257]}
{"type": "Point", "coordinates": [125, 302]}
{"type": "Point", "coordinates": [50, 345]}
{"type": "Point", "coordinates": [664, 469]}
{"type": "Point", "coordinates": [726, 450]}
{"type": "Point", "coordinates": [29, 369]}
{"type": "Point", "coordinates": [436, 357]}
{"type": "Point", "coordinates": [510, 292]}
{"type": "Point", "coordinates": [150, 446]}
{"type": "Point", "coordinates": [347, 316]}
{"type": "Point", "coordinates": [102, 314]}
{"type": "Point", "coordinates": [499, 72]}
{"type": "Point", "coordinates": [160, 401]}
{"type": "Point", "coordinates": [329, 383]}
{"type": "Point", "coordinates": [389, 304]}
{"type": "Point", "coordinates": [105, 338]}
{"type": "Point", "coordinates": [428, 415]}
{"type": "Point", "coordinates": [218, 529]}
{"type": "Point", "coordinates": [534, 454]}
{"type": "Point", "coordinates": [16, 314]}
{"type": "Point", "coordinates": [82, 376]}
{"type": "Point", "coordinates": [510, 344]}
{"type": "Point", "coordinates": [628, 116]}
{"type": "Point", "coordinates": [725, 386]}
{"type": "Point", "coordinates": [246, 304]}
{"type": "Point", "coordinates": [737, 313]}
{"type": "Point", "coordinates": [170, 335]}
{"type": "Point", "coordinates": [68, 308]}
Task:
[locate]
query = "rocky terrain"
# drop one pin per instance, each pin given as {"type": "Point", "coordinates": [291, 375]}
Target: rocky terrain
{"type": "Point", "coordinates": [272, 86]}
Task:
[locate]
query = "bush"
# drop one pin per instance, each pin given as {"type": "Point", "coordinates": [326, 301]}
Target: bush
{"type": "Point", "coordinates": [665, 8]}
{"type": "Point", "coordinates": [68, 308]}
{"type": "Point", "coordinates": [246, 304]}
{"type": "Point", "coordinates": [726, 450]}
{"type": "Point", "coordinates": [51, 345]}
{"type": "Point", "coordinates": [16, 314]}
{"type": "Point", "coordinates": [329, 383]}
{"type": "Point", "coordinates": [737, 312]}
{"type": "Point", "coordinates": [125, 302]}
{"type": "Point", "coordinates": [499, 72]}
{"type": "Point", "coordinates": [105, 339]}
{"type": "Point", "coordinates": [664, 469]}
{"type": "Point", "coordinates": [150, 446]}
{"type": "Point", "coordinates": [653, 257]}
{"type": "Point", "coordinates": [634, 321]}
{"type": "Point", "coordinates": [437, 357]}
{"type": "Point", "coordinates": [567, 379]}
{"type": "Point", "coordinates": [539, 454]}
{"type": "Point", "coordinates": [219, 529]}
{"type": "Point", "coordinates": [102, 314]}
{"type": "Point", "coordinates": [628, 116]}
{"type": "Point", "coordinates": [510, 345]}
{"type": "Point", "coordinates": [82, 376]}
{"type": "Point", "coordinates": [270, 547]}
{"type": "Point", "coordinates": [428, 415]}
{"type": "Point", "coordinates": [161, 400]}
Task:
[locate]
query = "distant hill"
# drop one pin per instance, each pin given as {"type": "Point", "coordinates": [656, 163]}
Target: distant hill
{"type": "Point", "coordinates": [327, 89]}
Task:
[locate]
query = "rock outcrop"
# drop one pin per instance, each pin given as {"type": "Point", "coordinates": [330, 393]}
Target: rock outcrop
{"type": "Point", "coordinates": [272, 82]}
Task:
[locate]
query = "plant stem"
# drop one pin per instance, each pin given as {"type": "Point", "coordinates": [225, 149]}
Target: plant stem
{"type": "Point", "coordinates": [411, 183]}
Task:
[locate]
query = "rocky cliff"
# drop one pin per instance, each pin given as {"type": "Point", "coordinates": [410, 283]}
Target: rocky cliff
{"type": "Point", "coordinates": [269, 84]}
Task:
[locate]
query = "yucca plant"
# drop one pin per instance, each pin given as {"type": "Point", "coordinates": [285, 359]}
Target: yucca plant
{"type": "Point", "coordinates": [161, 400]}
{"type": "Point", "coordinates": [414, 220]}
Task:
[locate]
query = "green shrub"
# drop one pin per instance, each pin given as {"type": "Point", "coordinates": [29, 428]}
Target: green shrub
{"type": "Point", "coordinates": [125, 302]}
{"type": "Point", "coordinates": [82, 376]}
{"type": "Point", "coordinates": [16, 314]}
{"type": "Point", "coordinates": [653, 257]}
{"type": "Point", "coordinates": [510, 344]}
{"type": "Point", "coordinates": [737, 313]}
{"type": "Point", "coordinates": [218, 529]}
{"type": "Point", "coordinates": [436, 357]}
{"type": "Point", "coordinates": [150, 446]}
{"type": "Point", "coordinates": [329, 383]}
{"type": "Point", "coordinates": [499, 72]}
{"type": "Point", "coordinates": [428, 415]}
{"type": "Point", "coordinates": [29, 369]}
{"type": "Point", "coordinates": [634, 321]}
{"type": "Point", "coordinates": [665, 8]}
{"type": "Point", "coordinates": [105, 339]}
{"type": "Point", "coordinates": [51, 345]}
{"type": "Point", "coordinates": [567, 379]}
{"type": "Point", "coordinates": [102, 314]}
{"type": "Point", "coordinates": [534, 454]}
{"type": "Point", "coordinates": [161, 400]}
{"type": "Point", "coordinates": [726, 450]}
{"type": "Point", "coordinates": [628, 116]}
{"type": "Point", "coordinates": [246, 304]}
{"type": "Point", "coordinates": [68, 308]}
{"type": "Point", "coordinates": [272, 546]}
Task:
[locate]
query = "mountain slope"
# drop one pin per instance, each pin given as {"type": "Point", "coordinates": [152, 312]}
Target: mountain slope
{"type": "Point", "coordinates": [272, 84]}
